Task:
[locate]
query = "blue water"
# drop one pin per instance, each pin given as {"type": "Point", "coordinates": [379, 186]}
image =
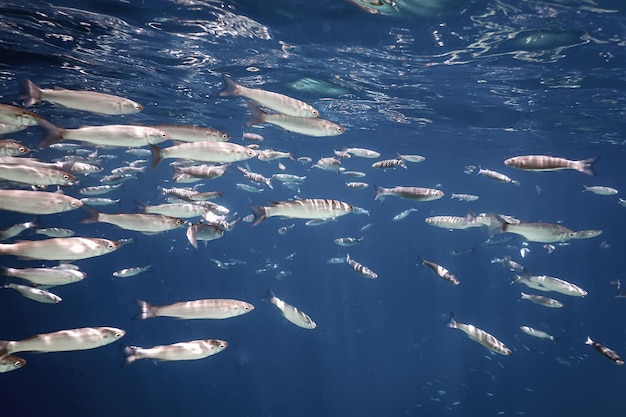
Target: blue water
{"type": "Point", "coordinates": [461, 84]}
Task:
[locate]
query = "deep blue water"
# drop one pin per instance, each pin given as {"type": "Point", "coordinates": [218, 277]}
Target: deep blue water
{"type": "Point", "coordinates": [461, 84]}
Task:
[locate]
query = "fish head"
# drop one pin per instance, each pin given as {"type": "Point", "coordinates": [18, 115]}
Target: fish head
{"type": "Point", "coordinates": [250, 153]}
{"type": "Point", "coordinates": [12, 362]}
{"type": "Point", "coordinates": [112, 333]}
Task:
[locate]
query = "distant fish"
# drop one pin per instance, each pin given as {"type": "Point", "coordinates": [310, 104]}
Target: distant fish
{"type": "Point", "coordinates": [360, 268]}
{"type": "Point", "coordinates": [497, 176]}
{"type": "Point", "coordinates": [480, 336]}
{"type": "Point", "coordinates": [362, 152]}
{"type": "Point", "coordinates": [464, 197]}
{"type": "Point", "coordinates": [441, 272]}
{"type": "Point", "coordinates": [550, 163]}
{"type": "Point", "coordinates": [605, 351]}
{"type": "Point", "coordinates": [389, 164]}
{"type": "Point", "coordinates": [274, 101]}
{"type": "Point", "coordinates": [291, 313]}
{"type": "Point", "coordinates": [601, 190]}
{"type": "Point", "coordinates": [130, 272]}
{"type": "Point", "coordinates": [537, 333]}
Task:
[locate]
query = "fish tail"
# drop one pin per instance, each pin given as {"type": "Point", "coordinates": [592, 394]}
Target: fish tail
{"type": "Point", "coordinates": [257, 116]}
{"type": "Point", "coordinates": [30, 92]}
{"type": "Point", "coordinates": [516, 182]}
{"type": "Point", "coordinates": [452, 321]}
{"type": "Point", "coordinates": [269, 295]}
{"type": "Point", "coordinates": [380, 193]}
{"type": "Point", "coordinates": [292, 155]}
{"type": "Point", "coordinates": [53, 134]}
{"type": "Point", "coordinates": [231, 88]}
{"type": "Point", "coordinates": [586, 166]}
{"type": "Point", "coordinates": [147, 310]}
{"type": "Point", "coordinates": [156, 155]}
{"type": "Point", "coordinates": [131, 356]}
{"type": "Point", "coordinates": [93, 215]}
{"type": "Point", "coordinates": [191, 236]}
{"type": "Point", "coordinates": [347, 258]}
{"type": "Point", "coordinates": [589, 341]}
{"type": "Point", "coordinates": [260, 214]}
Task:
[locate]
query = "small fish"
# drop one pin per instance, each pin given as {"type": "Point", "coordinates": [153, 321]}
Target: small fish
{"type": "Point", "coordinates": [403, 214]}
{"type": "Point", "coordinates": [99, 201]}
{"type": "Point", "coordinates": [36, 294]}
{"type": "Point", "coordinates": [190, 133]}
{"type": "Point", "coordinates": [441, 272]}
{"type": "Point", "coordinates": [348, 241]}
{"type": "Point", "coordinates": [362, 152]}
{"type": "Point", "coordinates": [49, 277]}
{"type": "Point", "coordinates": [464, 197]}
{"type": "Point", "coordinates": [357, 185]}
{"type": "Point", "coordinates": [605, 351]}
{"type": "Point", "coordinates": [542, 301]}
{"type": "Point", "coordinates": [360, 268]}
{"type": "Point", "coordinates": [130, 272]}
{"type": "Point", "coordinates": [99, 189]}
{"type": "Point", "coordinates": [537, 333]}
{"type": "Point", "coordinates": [497, 176]}
{"type": "Point", "coordinates": [253, 136]}
{"type": "Point", "coordinates": [601, 190]}
{"type": "Point", "coordinates": [480, 336]}
{"type": "Point", "coordinates": [203, 232]}
{"type": "Point", "coordinates": [412, 158]}
{"type": "Point", "coordinates": [203, 151]}
{"type": "Point", "coordinates": [291, 313]}
{"type": "Point", "coordinates": [306, 126]}
{"type": "Point", "coordinates": [285, 229]}
{"type": "Point", "coordinates": [389, 164]}
{"type": "Point", "coordinates": [196, 309]}
{"type": "Point", "coordinates": [181, 351]}
{"type": "Point", "coordinates": [145, 223]}
{"type": "Point", "coordinates": [311, 208]}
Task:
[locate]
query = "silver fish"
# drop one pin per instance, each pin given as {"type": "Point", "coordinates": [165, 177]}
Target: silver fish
{"type": "Point", "coordinates": [37, 202]}
{"type": "Point", "coordinates": [541, 300]}
{"type": "Point", "coordinates": [49, 277]}
{"type": "Point", "coordinates": [145, 223]}
{"type": "Point", "coordinates": [291, 313]}
{"type": "Point", "coordinates": [35, 175]}
{"type": "Point", "coordinates": [10, 147]}
{"type": "Point", "coordinates": [16, 229]}
{"type": "Point", "coordinates": [550, 163]}
{"type": "Point", "coordinates": [480, 336]}
{"type": "Point", "coordinates": [360, 268]}
{"type": "Point", "coordinates": [189, 133]}
{"type": "Point", "coordinates": [36, 294]}
{"type": "Point", "coordinates": [204, 232]}
{"type": "Point", "coordinates": [11, 363]}
{"type": "Point", "coordinates": [497, 176]}
{"type": "Point", "coordinates": [537, 333]}
{"type": "Point", "coordinates": [409, 193]}
{"type": "Point", "coordinates": [308, 208]}
{"type": "Point", "coordinates": [306, 126]}
{"type": "Point", "coordinates": [130, 272]}
{"type": "Point", "coordinates": [203, 151]}
{"type": "Point", "coordinates": [18, 117]}
{"type": "Point", "coordinates": [181, 351]}
{"type": "Point", "coordinates": [60, 248]}
{"type": "Point", "coordinates": [197, 309]}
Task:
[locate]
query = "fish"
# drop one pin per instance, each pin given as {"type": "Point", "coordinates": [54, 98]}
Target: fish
{"type": "Point", "coordinates": [441, 272]}
{"type": "Point", "coordinates": [10, 147]}
{"type": "Point", "coordinates": [83, 338]}
{"type": "Point", "coordinates": [11, 363]}
{"type": "Point", "coordinates": [204, 232]}
{"type": "Point", "coordinates": [278, 102]}
{"type": "Point", "coordinates": [253, 137]}
{"type": "Point", "coordinates": [130, 272]}
{"type": "Point", "coordinates": [328, 164]}
{"type": "Point", "coordinates": [412, 158]}
{"type": "Point", "coordinates": [605, 351]}
{"type": "Point", "coordinates": [539, 232]}
{"type": "Point", "coordinates": [587, 234]}
{"type": "Point", "coordinates": [179, 210]}
{"type": "Point", "coordinates": [190, 133]}
{"type": "Point", "coordinates": [181, 351]}
{"type": "Point", "coordinates": [306, 126]}
{"type": "Point", "coordinates": [285, 229]}
{"type": "Point", "coordinates": [601, 190]}
{"type": "Point", "coordinates": [271, 155]}
{"type": "Point", "coordinates": [537, 333]}
{"type": "Point", "coordinates": [255, 177]}
{"type": "Point", "coordinates": [213, 308]}
{"type": "Point", "coordinates": [308, 208]}
{"type": "Point", "coordinates": [360, 268]}
{"type": "Point", "coordinates": [403, 214]}
{"type": "Point", "coordinates": [18, 117]}
{"type": "Point", "coordinates": [507, 262]}
{"type": "Point", "coordinates": [99, 189]}
{"type": "Point", "coordinates": [139, 222]}
{"type": "Point", "coordinates": [60, 248]}
{"type": "Point", "coordinates": [497, 176]}
{"type": "Point", "coordinates": [480, 336]}
{"type": "Point", "coordinates": [348, 241]}
{"type": "Point", "coordinates": [209, 172]}
{"type": "Point", "coordinates": [90, 101]}
{"type": "Point", "coordinates": [37, 202]}
{"type": "Point", "coordinates": [357, 185]}
{"type": "Point", "coordinates": [542, 301]}
{"type": "Point", "coordinates": [107, 135]}
{"type": "Point", "coordinates": [36, 294]}
{"type": "Point", "coordinates": [558, 285]}
{"type": "Point", "coordinates": [55, 232]}
{"type": "Point", "coordinates": [550, 163]}
{"type": "Point", "coordinates": [49, 277]}
{"type": "Point", "coordinates": [454, 222]}
{"type": "Point", "coordinates": [389, 164]}
{"type": "Point", "coordinates": [12, 231]}
{"type": "Point", "coordinates": [203, 151]}
{"type": "Point", "coordinates": [464, 197]}
{"type": "Point", "coordinates": [35, 175]}
{"type": "Point", "coordinates": [291, 313]}
{"type": "Point", "coordinates": [409, 193]}
{"type": "Point", "coordinates": [362, 152]}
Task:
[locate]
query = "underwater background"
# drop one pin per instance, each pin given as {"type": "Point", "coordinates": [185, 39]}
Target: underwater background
{"type": "Point", "coordinates": [464, 84]}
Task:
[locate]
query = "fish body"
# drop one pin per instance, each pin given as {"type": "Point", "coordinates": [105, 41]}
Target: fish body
{"type": "Point", "coordinates": [537, 333]}
{"type": "Point", "coordinates": [90, 101]}
{"type": "Point", "coordinates": [189, 133]}
{"type": "Point", "coordinates": [389, 164]}
{"type": "Point", "coordinates": [130, 272]}
{"type": "Point", "coordinates": [412, 158]}
{"type": "Point", "coordinates": [45, 276]}
{"type": "Point", "coordinates": [271, 155]}
{"type": "Point", "coordinates": [139, 222]}
{"type": "Point", "coordinates": [348, 241]}
{"type": "Point", "coordinates": [180, 210]}
{"type": "Point", "coordinates": [99, 189]}
{"type": "Point", "coordinates": [37, 202]}
{"type": "Point", "coordinates": [558, 285]}
{"type": "Point", "coordinates": [605, 351]}
{"type": "Point", "coordinates": [278, 102]}
{"type": "Point", "coordinates": [441, 272]}
{"type": "Point", "coordinates": [209, 172]}
{"type": "Point", "coordinates": [454, 222]}
{"type": "Point", "coordinates": [203, 151]}
{"type": "Point", "coordinates": [64, 340]}
{"type": "Point", "coordinates": [291, 313]}
{"type": "Point", "coordinates": [497, 176]}
{"type": "Point", "coordinates": [480, 336]}
{"type": "Point", "coordinates": [464, 197]}
{"type": "Point", "coordinates": [204, 232]}
{"type": "Point", "coordinates": [308, 208]}
{"type": "Point", "coordinates": [55, 232]}
{"type": "Point", "coordinates": [34, 175]}
{"type": "Point", "coordinates": [16, 229]}
{"type": "Point", "coordinates": [601, 190]}
{"type": "Point", "coordinates": [181, 351]}
{"type": "Point", "coordinates": [360, 268]}
{"type": "Point", "coordinates": [306, 126]}
{"type": "Point", "coordinates": [550, 163]}
{"type": "Point", "coordinates": [409, 193]}
{"type": "Point", "coordinates": [197, 309]}
{"type": "Point", "coordinates": [542, 301]}
{"type": "Point", "coordinates": [540, 232]}
{"type": "Point", "coordinates": [357, 185]}
{"type": "Point", "coordinates": [36, 294]}
{"type": "Point", "coordinates": [60, 248]}
{"type": "Point", "coordinates": [362, 152]}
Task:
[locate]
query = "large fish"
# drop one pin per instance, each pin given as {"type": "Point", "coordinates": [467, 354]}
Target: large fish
{"type": "Point", "coordinates": [181, 351]}
{"type": "Point", "coordinates": [306, 126]}
{"type": "Point", "coordinates": [91, 101]}
{"type": "Point", "coordinates": [197, 309]}
{"type": "Point", "coordinates": [64, 340]}
{"type": "Point", "coordinates": [35, 175]}
{"type": "Point", "coordinates": [139, 222]}
{"type": "Point", "coordinates": [203, 151]}
{"type": "Point", "coordinates": [540, 232]}
{"type": "Point", "coordinates": [60, 248]}
{"type": "Point", "coordinates": [274, 101]}
{"type": "Point", "coordinates": [550, 163]}
{"type": "Point", "coordinates": [291, 313]}
{"type": "Point", "coordinates": [480, 336]}
{"type": "Point", "coordinates": [37, 202]}
{"type": "Point", "coordinates": [45, 276]}
{"type": "Point", "coordinates": [307, 208]}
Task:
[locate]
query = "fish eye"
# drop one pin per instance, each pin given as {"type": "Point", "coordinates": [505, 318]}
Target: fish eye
{"type": "Point", "coordinates": [118, 335]}
{"type": "Point", "coordinates": [340, 129]}
{"type": "Point", "coordinates": [73, 204]}
{"type": "Point", "coordinates": [17, 363]}
{"type": "Point", "coordinates": [21, 149]}
{"type": "Point", "coordinates": [315, 112]}
{"type": "Point", "coordinates": [111, 246]}
{"type": "Point", "coordinates": [225, 136]}
{"type": "Point", "coordinates": [66, 177]}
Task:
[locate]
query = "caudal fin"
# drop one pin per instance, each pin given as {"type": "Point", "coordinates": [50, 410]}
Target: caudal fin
{"type": "Point", "coordinates": [257, 116]}
{"type": "Point", "coordinates": [156, 155]}
{"type": "Point", "coordinates": [586, 166]}
{"type": "Point", "coordinates": [93, 215]}
{"type": "Point", "coordinates": [191, 235]}
{"type": "Point", "coordinates": [269, 295]}
{"type": "Point", "coordinates": [147, 310]}
{"type": "Point", "coordinates": [452, 322]}
{"type": "Point", "coordinates": [260, 214]}
{"type": "Point", "coordinates": [30, 92]}
{"type": "Point", "coordinates": [53, 134]}
{"type": "Point", "coordinates": [130, 352]}
{"type": "Point", "coordinates": [231, 88]}
{"type": "Point", "coordinates": [380, 194]}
